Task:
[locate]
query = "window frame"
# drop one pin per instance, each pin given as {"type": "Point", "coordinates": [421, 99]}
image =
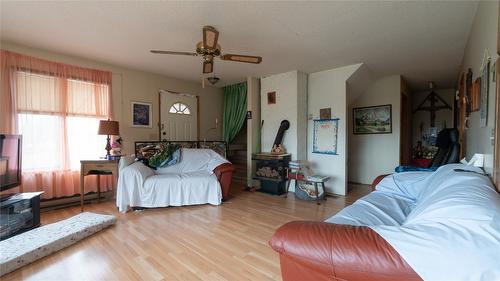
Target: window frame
{"type": "Point", "coordinates": [178, 111]}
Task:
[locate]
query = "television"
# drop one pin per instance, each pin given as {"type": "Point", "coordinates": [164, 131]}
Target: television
{"type": "Point", "coordinates": [10, 161]}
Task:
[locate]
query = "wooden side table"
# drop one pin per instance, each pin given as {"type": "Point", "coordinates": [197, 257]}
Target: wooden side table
{"type": "Point", "coordinates": [97, 167]}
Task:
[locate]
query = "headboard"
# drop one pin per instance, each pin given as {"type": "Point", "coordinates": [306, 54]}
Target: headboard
{"type": "Point", "coordinates": [217, 146]}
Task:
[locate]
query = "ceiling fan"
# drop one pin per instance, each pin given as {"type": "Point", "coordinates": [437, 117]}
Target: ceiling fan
{"type": "Point", "coordinates": [208, 49]}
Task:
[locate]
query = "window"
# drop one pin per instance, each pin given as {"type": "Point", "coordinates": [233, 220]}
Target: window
{"type": "Point", "coordinates": [179, 108]}
{"type": "Point", "coordinates": [58, 119]}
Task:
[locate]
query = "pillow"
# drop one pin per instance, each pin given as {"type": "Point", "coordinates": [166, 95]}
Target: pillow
{"type": "Point", "coordinates": [125, 161]}
{"type": "Point", "coordinates": [167, 155]}
{"type": "Point", "coordinates": [454, 195]}
{"type": "Point", "coordinates": [194, 160]}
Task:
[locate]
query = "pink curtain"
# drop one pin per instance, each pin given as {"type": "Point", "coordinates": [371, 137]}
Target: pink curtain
{"type": "Point", "coordinates": [57, 108]}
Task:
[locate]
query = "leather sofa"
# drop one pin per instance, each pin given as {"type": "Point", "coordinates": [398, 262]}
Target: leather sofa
{"type": "Point", "coordinates": [224, 173]}
{"type": "Point", "coordinates": [324, 251]}
{"type": "Point", "coordinates": [457, 202]}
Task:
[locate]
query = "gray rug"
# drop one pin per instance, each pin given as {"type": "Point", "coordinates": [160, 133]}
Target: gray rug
{"type": "Point", "coordinates": [35, 244]}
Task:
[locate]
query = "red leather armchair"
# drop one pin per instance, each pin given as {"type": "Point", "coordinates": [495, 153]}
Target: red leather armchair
{"type": "Point", "coordinates": [224, 173]}
{"type": "Point", "coordinates": [323, 251]}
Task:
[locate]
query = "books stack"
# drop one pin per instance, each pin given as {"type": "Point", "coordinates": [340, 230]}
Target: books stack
{"type": "Point", "coordinates": [298, 169]}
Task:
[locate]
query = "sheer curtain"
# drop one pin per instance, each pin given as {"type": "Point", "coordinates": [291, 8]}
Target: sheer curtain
{"type": "Point", "coordinates": [57, 108]}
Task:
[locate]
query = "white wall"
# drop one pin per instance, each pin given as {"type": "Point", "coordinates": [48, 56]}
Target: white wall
{"type": "Point", "coordinates": [483, 36]}
{"type": "Point", "coordinates": [443, 116]}
{"type": "Point", "coordinates": [133, 85]}
{"type": "Point", "coordinates": [376, 154]}
{"type": "Point", "coordinates": [328, 89]}
{"type": "Point", "coordinates": [290, 97]}
{"type": "Point", "coordinates": [302, 100]}
{"type": "Point", "coordinates": [253, 126]}
{"type": "Point", "coordinates": [291, 104]}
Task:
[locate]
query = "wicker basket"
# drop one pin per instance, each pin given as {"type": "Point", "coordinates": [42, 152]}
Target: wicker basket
{"type": "Point", "coordinates": [302, 186]}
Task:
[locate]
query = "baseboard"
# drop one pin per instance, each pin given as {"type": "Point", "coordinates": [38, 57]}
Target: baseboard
{"type": "Point", "coordinates": [57, 203]}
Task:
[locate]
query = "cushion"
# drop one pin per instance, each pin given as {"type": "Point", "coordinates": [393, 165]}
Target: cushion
{"type": "Point", "coordinates": [125, 161]}
{"type": "Point", "coordinates": [194, 160]}
{"type": "Point", "coordinates": [136, 170]}
{"type": "Point", "coordinates": [453, 232]}
{"type": "Point", "coordinates": [37, 243]}
{"type": "Point", "coordinates": [452, 194]}
{"type": "Point", "coordinates": [167, 155]}
{"type": "Point", "coordinates": [376, 208]}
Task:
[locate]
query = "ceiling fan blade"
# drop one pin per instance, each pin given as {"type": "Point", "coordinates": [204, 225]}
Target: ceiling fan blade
{"type": "Point", "coordinates": [242, 58]}
{"type": "Point", "coordinates": [210, 37]}
{"type": "Point", "coordinates": [173, 53]}
{"type": "Point", "coordinates": [208, 66]}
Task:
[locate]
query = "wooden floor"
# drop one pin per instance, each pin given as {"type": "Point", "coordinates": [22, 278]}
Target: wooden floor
{"type": "Point", "coordinates": [227, 242]}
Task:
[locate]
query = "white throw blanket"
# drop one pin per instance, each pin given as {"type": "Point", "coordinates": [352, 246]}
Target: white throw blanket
{"type": "Point", "coordinates": [452, 225]}
{"type": "Point", "coordinates": [190, 182]}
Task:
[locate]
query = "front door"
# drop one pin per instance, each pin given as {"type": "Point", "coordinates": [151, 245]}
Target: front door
{"type": "Point", "coordinates": [178, 116]}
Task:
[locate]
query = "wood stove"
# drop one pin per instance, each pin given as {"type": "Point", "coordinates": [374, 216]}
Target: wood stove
{"type": "Point", "coordinates": [271, 172]}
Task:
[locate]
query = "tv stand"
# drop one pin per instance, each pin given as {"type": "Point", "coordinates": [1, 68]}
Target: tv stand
{"type": "Point", "coordinates": [6, 196]}
{"type": "Point", "coordinates": [19, 213]}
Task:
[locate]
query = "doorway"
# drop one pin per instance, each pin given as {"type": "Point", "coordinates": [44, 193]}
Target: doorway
{"type": "Point", "coordinates": [405, 138]}
{"type": "Point", "coordinates": [496, 136]}
{"type": "Point", "coordinates": [178, 116]}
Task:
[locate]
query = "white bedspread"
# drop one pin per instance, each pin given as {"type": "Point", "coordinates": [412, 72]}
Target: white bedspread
{"type": "Point", "coordinates": [191, 182]}
{"type": "Point", "coordinates": [452, 225]}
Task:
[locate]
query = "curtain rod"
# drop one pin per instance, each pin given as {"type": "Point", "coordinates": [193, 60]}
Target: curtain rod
{"type": "Point", "coordinates": [177, 93]}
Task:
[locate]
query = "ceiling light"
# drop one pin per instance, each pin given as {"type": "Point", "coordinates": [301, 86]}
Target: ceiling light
{"type": "Point", "coordinates": [213, 80]}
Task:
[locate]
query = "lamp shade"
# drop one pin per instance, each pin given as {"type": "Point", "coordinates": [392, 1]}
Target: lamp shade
{"type": "Point", "coordinates": [108, 127]}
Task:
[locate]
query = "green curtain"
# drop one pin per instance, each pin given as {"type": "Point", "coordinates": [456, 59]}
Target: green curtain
{"type": "Point", "coordinates": [235, 110]}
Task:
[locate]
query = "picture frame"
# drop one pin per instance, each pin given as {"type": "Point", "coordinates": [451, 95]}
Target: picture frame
{"type": "Point", "coordinates": [142, 114]}
{"type": "Point", "coordinates": [325, 113]}
{"type": "Point", "coordinates": [476, 95]}
{"type": "Point", "coordinates": [325, 135]}
{"type": "Point", "coordinates": [484, 92]}
{"type": "Point", "coordinates": [372, 119]}
{"type": "Point", "coordinates": [271, 97]}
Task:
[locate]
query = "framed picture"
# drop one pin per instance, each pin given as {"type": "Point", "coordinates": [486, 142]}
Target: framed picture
{"type": "Point", "coordinates": [372, 119]}
{"type": "Point", "coordinates": [325, 113]}
{"type": "Point", "coordinates": [483, 108]}
{"type": "Point", "coordinates": [325, 136]}
{"type": "Point", "coordinates": [271, 98]}
{"type": "Point", "coordinates": [142, 114]}
{"type": "Point", "coordinates": [476, 95]}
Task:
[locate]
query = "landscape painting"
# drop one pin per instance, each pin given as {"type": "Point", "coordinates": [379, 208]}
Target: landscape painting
{"type": "Point", "coordinates": [373, 119]}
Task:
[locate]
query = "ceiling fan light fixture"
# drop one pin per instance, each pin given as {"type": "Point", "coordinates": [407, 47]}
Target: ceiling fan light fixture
{"type": "Point", "coordinates": [210, 37]}
{"type": "Point", "coordinates": [209, 49]}
{"type": "Point", "coordinates": [213, 80]}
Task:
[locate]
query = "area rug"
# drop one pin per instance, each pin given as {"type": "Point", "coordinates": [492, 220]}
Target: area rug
{"type": "Point", "coordinates": [35, 244]}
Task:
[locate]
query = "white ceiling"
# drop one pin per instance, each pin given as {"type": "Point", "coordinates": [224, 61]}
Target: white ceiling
{"type": "Point", "coordinates": [422, 40]}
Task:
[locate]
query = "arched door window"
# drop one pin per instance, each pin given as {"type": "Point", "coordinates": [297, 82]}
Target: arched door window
{"type": "Point", "coordinates": [179, 108]}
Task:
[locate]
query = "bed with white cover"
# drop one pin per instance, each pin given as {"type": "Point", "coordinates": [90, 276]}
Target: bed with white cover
{"type": "Point", "coordinates": [190, 182]}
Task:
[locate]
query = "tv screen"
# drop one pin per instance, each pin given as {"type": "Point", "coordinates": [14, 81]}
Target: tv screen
{"type": "Point", "coordinates": [10, 161]}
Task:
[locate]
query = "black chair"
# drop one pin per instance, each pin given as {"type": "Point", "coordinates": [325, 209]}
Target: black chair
{"type": "Point", "coordinates": [448, 148]}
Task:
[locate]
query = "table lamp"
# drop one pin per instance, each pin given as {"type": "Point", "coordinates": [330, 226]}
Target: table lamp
{"type": "Point", "coordinates": [108, 127]}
